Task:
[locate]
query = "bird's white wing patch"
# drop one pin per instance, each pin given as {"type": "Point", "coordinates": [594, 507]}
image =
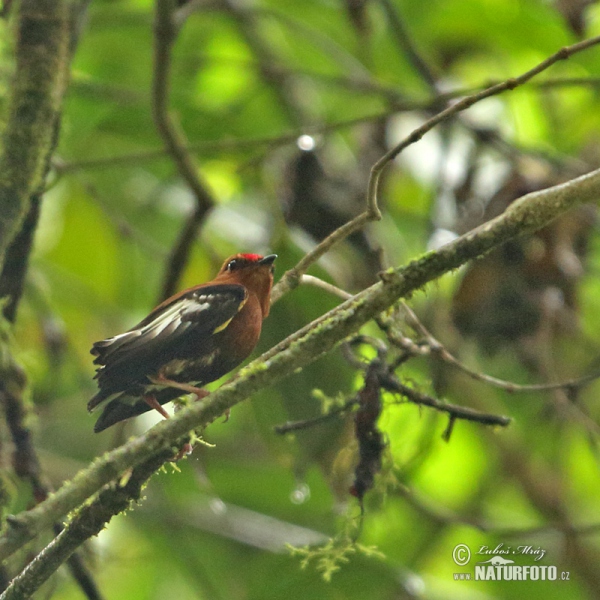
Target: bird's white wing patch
{"type": "Point", "coordinates": [172, 318]}
{"type": "Point", "coordinates": [177, 317]}
{"type": "Point", "coordinates": [209, 310]}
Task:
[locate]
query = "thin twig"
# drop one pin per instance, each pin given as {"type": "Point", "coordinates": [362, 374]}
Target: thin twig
{"type": "Point", "coordinates": [212, 146]}
{"type": "Point", "coordinates": [448, 517]}
{"type": "Point", "coordinates": [324, 418]}
{"type": "Point", "coordinates": [291, 278]}
{"type": "Point", "coordinates": [278, 81]}
{"type": "Point", "coordinates": [324, 285]}
{"type": "Point", "coordinates": [436, 347]}
{"type": "Point", "coordinates": [175, 143]}
{"type": "Point", "coordinates": [455, 411]}
{"type": "Point", "coordinates": [467, 102]}
{"type": "Point", "coordinates": [432, 346]}
{"type": "Point", "coordinates": [231, 145]}
{"type": "Point", "coordinates": [406, 44]}
{"type": "Point", "coordinates": [392, 384]}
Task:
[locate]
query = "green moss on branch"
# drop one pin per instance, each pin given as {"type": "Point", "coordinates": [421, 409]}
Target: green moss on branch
{"type": "Point", "coordinates": [42, 57]}
{"type": "Point", "coordinates": [303, 347]}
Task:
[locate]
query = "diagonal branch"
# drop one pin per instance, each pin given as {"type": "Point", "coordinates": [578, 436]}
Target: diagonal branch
{"type": "Point", "coordinates": [88, 522]}
{"type": "Point", "coordinates": [529, 213]}
{"type": "Point", "coordinates": [393, 384]}
{"type": "Point", "coordinates": [291, 279]}
{"type": "Point", "coordinates": [434, 346]}
{"type": "Point", "coordinates": [402, 38]}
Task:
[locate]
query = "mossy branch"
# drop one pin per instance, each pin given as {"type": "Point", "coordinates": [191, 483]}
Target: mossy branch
{"type": "Point", "coordinates": [46, 37]}
{"type": "Point", "coordinates": [42, 54]}
{"type": "Point", "coordinates": [526, 215]}
{"type": "Point", "coordinates": [90, 520]}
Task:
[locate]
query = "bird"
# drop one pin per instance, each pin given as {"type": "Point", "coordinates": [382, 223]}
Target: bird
{"type": "Point", "coordinates": [191, 339]}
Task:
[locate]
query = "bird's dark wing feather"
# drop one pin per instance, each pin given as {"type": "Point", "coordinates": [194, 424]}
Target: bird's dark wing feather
{"type": "Point", "coordinates": [128, 358]}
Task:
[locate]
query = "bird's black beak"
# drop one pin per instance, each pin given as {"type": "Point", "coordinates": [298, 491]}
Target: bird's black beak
{"type": "Point", "coordinates": [268, 260]}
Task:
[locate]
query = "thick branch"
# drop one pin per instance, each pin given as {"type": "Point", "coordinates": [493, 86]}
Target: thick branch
{"type": "Point", "coordinates": [42, 54]}
{"type": "Point", "coordinates": [524, 216]}
{"type": "Point", "coordinates": [40, 110]}
{"type": "Point", "coordinates": [46, 38]}
{"type": "Point", "coordinates": [87, 523]}
{"type": "Point", "coordinates": [14, 270]}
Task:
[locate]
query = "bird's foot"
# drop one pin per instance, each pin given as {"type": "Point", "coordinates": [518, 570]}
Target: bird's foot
{"type": "Point", "coordinates": [184, 387]}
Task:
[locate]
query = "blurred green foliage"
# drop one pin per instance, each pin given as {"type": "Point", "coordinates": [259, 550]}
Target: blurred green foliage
{"type": "Point", "coordinates": [246, 79]}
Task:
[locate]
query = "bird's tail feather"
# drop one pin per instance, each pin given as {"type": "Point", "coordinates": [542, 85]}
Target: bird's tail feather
{"type": "Point", "coordinates": [118, 410]}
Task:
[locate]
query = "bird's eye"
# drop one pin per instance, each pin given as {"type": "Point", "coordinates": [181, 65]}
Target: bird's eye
{"type": "Point", "coordinates": [232, 265]}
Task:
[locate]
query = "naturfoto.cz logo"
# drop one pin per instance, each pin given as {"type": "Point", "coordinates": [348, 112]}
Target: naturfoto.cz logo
{"type": "Point", "coordinates": [501, 568]}
{"type": "Point", "coordinates": [515, 573]}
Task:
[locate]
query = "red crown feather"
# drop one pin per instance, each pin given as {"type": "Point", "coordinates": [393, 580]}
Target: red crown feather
{"type": "Point", "coordinates": [252, 257]}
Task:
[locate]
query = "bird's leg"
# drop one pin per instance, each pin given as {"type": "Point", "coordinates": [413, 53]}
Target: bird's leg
{"type": "Point", "coordinates": [191, 389]}
{"type": "Point", "coordinates": [184, 387]}
{"type": "Point", "coordinates": [160, 379]}
{"type": "Point", "coordinates": [199, 393]}
{"type": "Point", "coordinates": [151, 401]}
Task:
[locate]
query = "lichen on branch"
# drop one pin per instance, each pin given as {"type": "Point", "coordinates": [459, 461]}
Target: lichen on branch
{"type": "Point", "coordinates": [531, 212]}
